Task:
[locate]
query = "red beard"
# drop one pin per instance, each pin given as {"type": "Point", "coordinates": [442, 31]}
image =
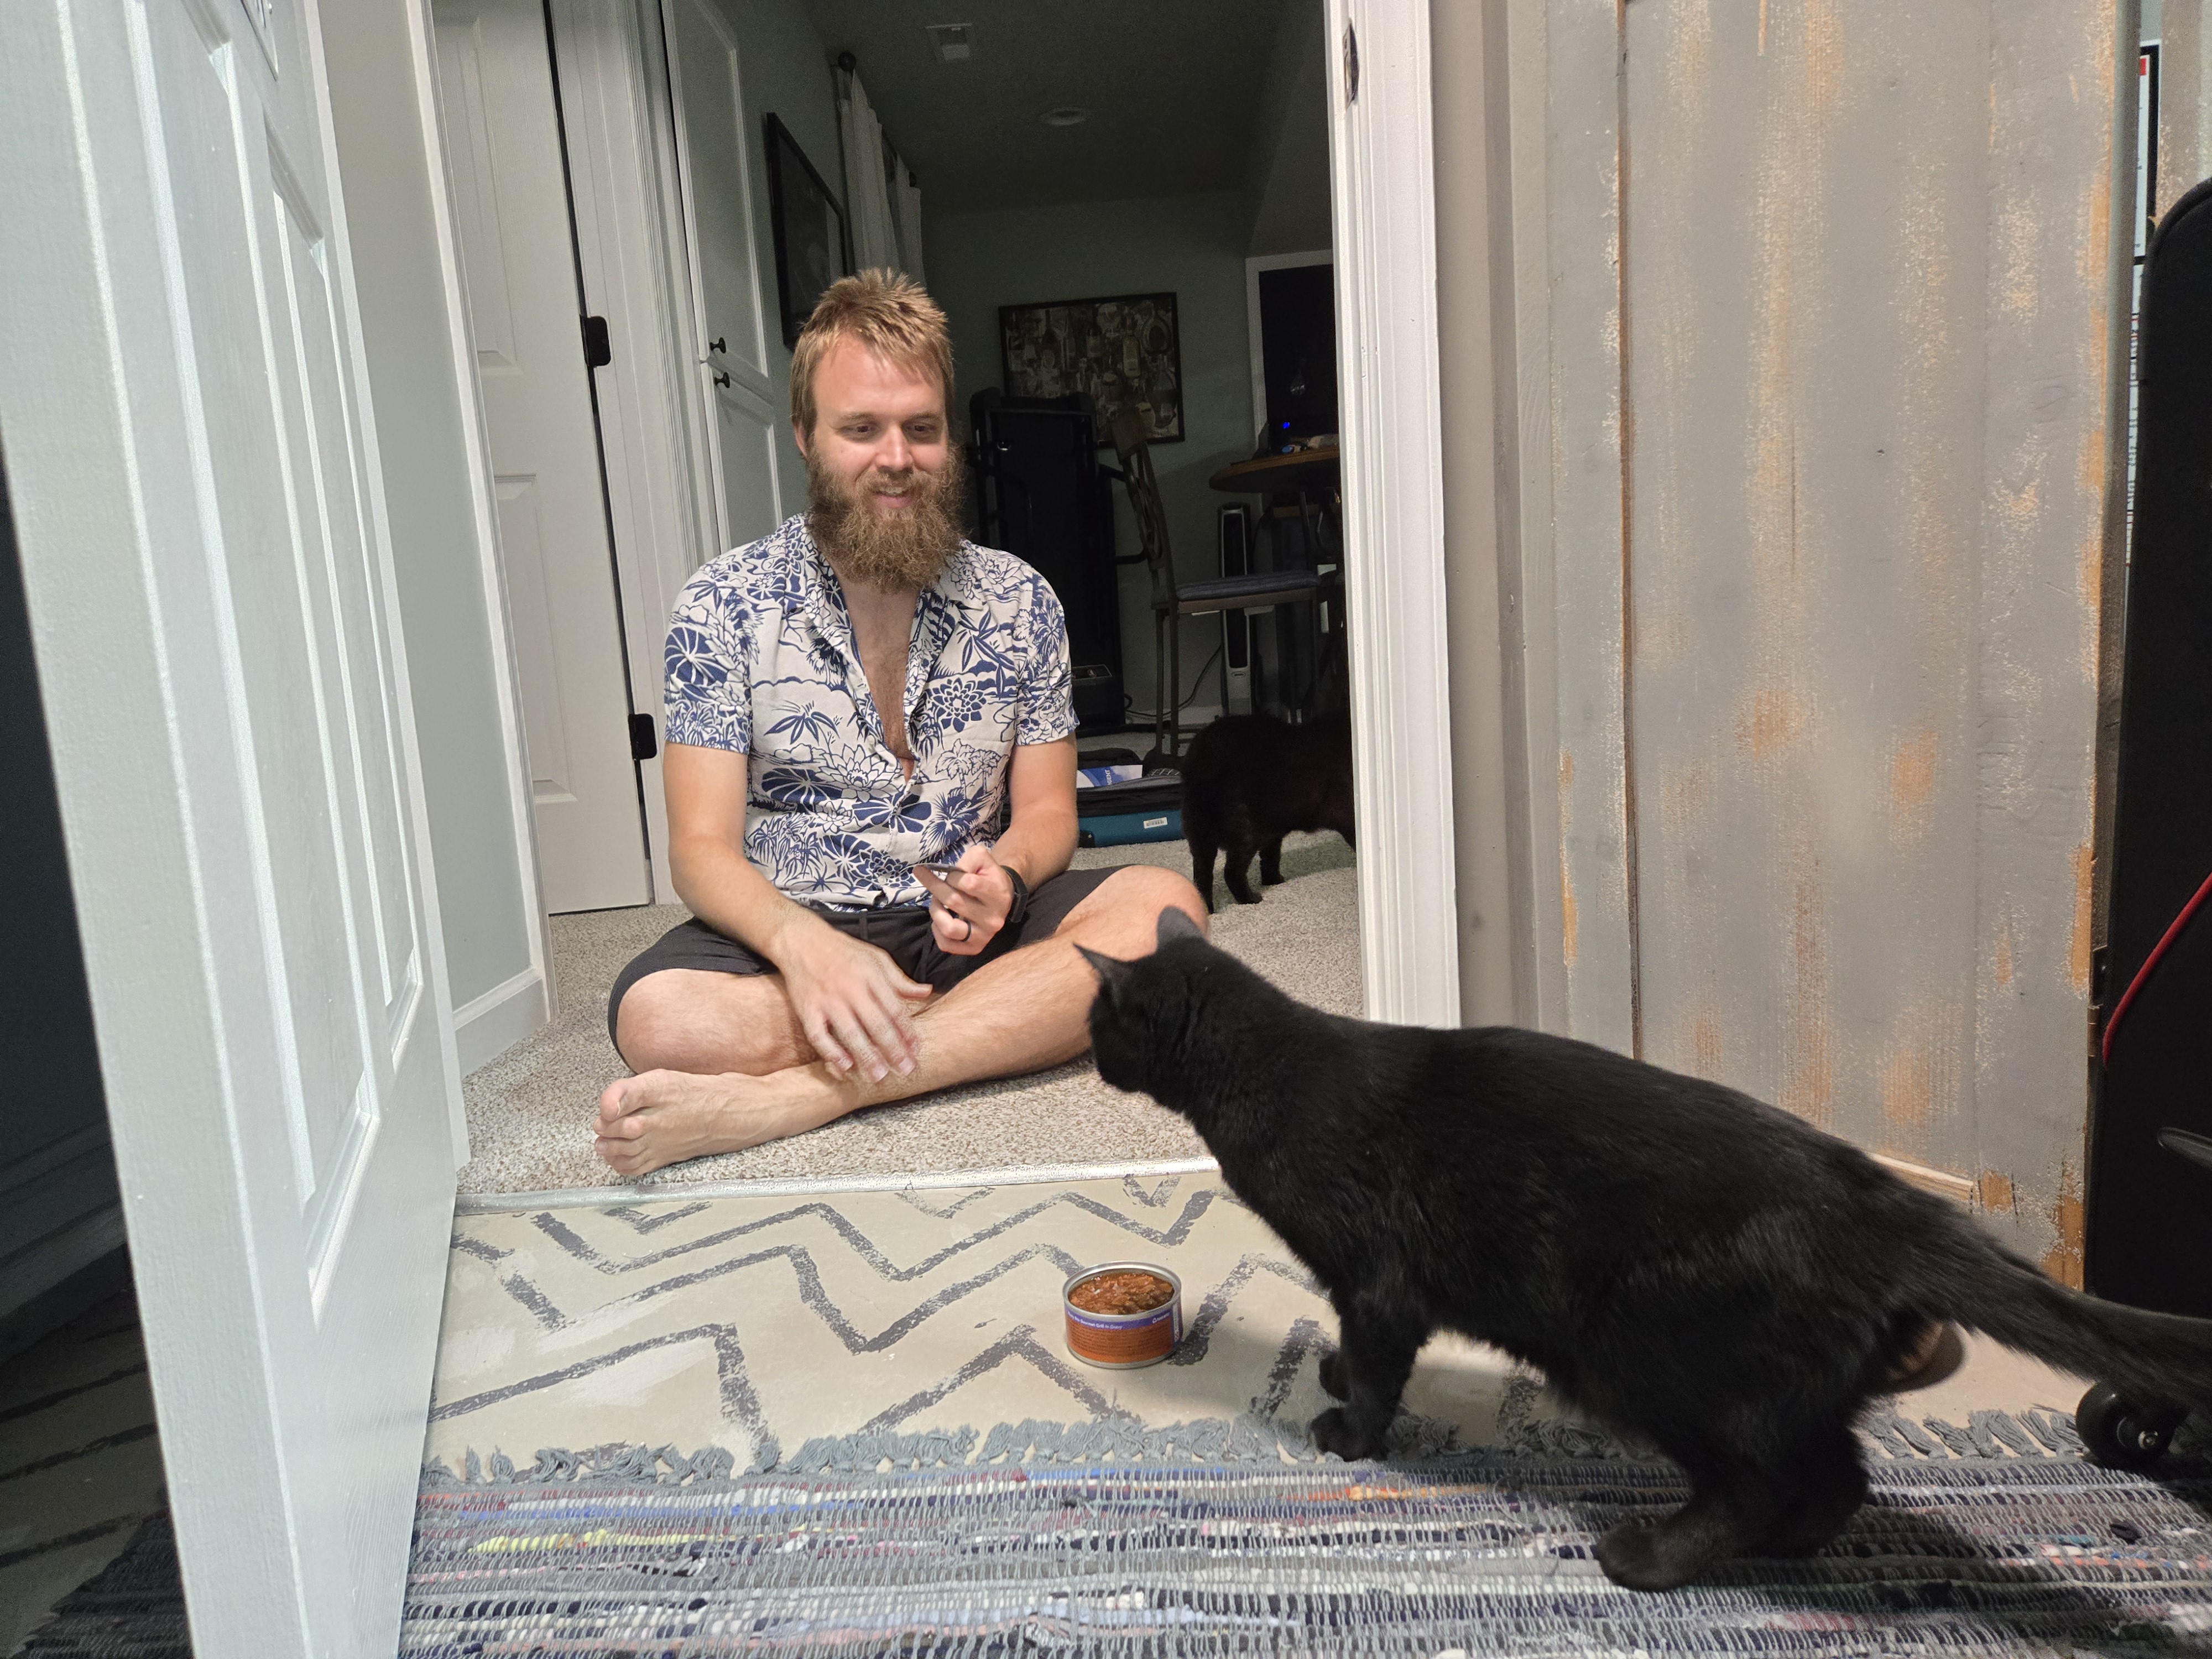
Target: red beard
{"type": "Point", "coordinates": [903, 548]}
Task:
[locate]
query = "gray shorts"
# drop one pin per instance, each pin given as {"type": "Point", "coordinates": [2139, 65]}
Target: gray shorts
{"type": "Point", "coordinates": [901, 930]}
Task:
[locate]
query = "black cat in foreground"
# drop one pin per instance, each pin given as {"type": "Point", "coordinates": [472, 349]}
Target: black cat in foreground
{"type": "Point", "coordinates": [1249, 780]}
{"type": "Point", "coordinates": [1677, 1258]}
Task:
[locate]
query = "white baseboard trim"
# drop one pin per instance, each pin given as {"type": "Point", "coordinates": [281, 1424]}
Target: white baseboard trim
{"type": "Point", "coordinates": [1941, 1183]}
{"type": "Point", "coordinates": [669, 1192]}
{"type": "Point", "coordinates": [487, 1026]}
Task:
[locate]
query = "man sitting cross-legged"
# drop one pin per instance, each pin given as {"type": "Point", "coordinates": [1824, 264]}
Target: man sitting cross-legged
{"type": "Point", "coordinates": [860, 692]}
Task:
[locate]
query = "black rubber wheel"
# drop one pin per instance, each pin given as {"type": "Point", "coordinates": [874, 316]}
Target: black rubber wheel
{"type": "Point", "coordinates": [2120, 1433]}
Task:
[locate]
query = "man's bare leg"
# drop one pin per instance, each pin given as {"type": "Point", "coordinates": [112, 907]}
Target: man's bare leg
{"type": "Point", "coordinates": [1027, 1010]}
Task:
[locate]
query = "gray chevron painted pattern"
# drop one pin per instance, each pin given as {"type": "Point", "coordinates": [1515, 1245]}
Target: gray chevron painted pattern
{"type": "Point", "coordinates": [761, 1327]}
{"type": "Point", "coordinates": [758, 1325]}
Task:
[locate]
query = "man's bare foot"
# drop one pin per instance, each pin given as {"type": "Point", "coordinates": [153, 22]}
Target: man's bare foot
{"type": "Point", "coordinates": [653, 1120]}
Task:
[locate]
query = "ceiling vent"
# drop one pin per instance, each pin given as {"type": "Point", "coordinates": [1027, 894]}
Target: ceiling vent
{"type": "Point", "coordinates": [951, 41]}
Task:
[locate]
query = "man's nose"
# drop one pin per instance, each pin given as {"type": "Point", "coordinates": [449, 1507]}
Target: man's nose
{"type": "Point", "coordinates": [892, 455]}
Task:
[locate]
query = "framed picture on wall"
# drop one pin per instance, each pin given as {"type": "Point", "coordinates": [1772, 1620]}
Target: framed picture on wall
{"type": "Point", "coordinates": [810, 229]}
{"type": "Point", "coordinates": [1126, 352]}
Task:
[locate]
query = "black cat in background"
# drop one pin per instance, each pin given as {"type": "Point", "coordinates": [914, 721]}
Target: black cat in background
{"type": "Point", "coordinates": [1249, 780]}
{"type": "Point", "coordinates": [1679, 1259]}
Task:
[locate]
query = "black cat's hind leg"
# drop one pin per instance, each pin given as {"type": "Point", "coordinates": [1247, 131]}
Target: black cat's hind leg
{"type": "Point", "coordinates": [1237, 870]}
{"type": "Point", "coordinates": [1732, 1503]}
{"type": "Point", "coordinates": [1271, 863]}
{"type": "Point", "coordinates": [1368, 1372]}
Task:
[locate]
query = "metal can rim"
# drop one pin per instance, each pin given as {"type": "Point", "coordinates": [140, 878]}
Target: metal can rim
{"type": "Point", "coordinates": [1175, 1285]}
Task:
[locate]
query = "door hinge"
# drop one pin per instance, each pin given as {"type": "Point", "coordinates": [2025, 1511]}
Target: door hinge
{"type": "Point", "coordinates": [597, 353]}
{"type": "Point", "coordinates": [641, 745]}
{"type": "Point", "coordinates": [1351, 64]}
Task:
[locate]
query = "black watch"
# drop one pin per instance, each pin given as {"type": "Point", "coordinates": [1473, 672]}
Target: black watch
{"type": "Point", "coordinates": [1021, 895]}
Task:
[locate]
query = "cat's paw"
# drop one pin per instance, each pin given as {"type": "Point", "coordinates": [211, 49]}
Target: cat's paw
{"type": "Point", "coordinates": [1333, 1431]}
{"type": "Point", "coordinates": [1334, 1382]}
{"type": "Point", "coordinates": [1640, 1556]}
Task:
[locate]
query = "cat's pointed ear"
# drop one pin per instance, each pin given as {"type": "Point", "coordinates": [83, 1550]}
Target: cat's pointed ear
{"type": "Point", "coordinates": [1113, 973]}
{"type": "Point", "coordinates": [1176, 924]}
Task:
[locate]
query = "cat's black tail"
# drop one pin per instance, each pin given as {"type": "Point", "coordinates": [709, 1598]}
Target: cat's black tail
{"type": "Point", "coordinates": [2150, 1356]}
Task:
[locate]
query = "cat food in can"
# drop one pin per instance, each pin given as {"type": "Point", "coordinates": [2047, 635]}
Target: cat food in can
{"type": "Point", "coordinates": [1123, 1315]}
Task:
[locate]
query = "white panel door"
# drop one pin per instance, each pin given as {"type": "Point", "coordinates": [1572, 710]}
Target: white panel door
{"type": "Point", "coordinates": [731, 313]}
{"type": "Point", "coordinates": [195, 487]}
{"type": "Point", "coordinates": [511, 206]}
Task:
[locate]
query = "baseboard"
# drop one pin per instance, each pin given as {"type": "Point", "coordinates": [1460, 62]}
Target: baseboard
{"type": "Point", "coordinates": [1941, 1183]}
{"type": "Point", "coordinates": [487, 1026]}
{"type": "Point", "coordinates": [650, 1191]}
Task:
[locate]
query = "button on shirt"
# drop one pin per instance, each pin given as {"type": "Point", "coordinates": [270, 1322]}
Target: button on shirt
{"type": "Point", "coordinates": [762, 660]}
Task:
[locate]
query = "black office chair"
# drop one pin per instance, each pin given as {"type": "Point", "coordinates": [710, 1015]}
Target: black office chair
{"type": "Point", "coordinates": [1172, 599]}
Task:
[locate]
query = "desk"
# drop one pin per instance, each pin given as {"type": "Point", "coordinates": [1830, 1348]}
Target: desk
{"type": "Point", "coordinates": [1292, 474]}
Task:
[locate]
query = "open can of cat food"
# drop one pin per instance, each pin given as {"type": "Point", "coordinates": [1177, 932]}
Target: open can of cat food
{"type": "Point", "coordinates": [1123, 1315]}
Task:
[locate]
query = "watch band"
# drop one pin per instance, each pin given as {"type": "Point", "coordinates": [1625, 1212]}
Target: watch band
{"type": "Point", "coordinates": [1021, 895]}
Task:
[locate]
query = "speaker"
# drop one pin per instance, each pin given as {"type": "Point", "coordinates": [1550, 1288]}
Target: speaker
{"type": "Point", "coordinates": [1234, 539]}
{"type": "Point", "coordinates": [1040, 496]}
{"type": "Point", "coordinates": [2150, 1160]}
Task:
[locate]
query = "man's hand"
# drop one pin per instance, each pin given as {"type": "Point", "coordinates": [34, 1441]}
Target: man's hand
{"type": "Point", "coordinates": [853, 1003]}
{"type": "Point", "coordinates": [967, 911]}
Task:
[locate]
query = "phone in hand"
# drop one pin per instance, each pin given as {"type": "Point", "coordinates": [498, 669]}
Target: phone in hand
{"type": "Point", "coordinates": [946, 871]}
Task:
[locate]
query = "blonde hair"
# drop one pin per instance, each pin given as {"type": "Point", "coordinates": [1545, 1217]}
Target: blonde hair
{"type": "Point", "coordinates": [889, 314]}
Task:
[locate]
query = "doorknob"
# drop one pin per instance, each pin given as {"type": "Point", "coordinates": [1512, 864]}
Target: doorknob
{"type": "Point", "coordinates": [717, 344]}
{"type": "Point", "coordinates": [720, 379]}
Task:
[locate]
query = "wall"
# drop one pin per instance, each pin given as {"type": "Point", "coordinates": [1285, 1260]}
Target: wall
{"type": "Point", "coordinates": [451, 607]}
{"type": "Point", "coordinates": [1805, 553]}
{"type": "Point", "coordinates": [1190, 245]}
{"type": "Point", "coordinates": [59, 1211]}
{"type": "Point", "coordinates": [1287, 175]}
{"type": "Point", "coordinates": [784, 71]}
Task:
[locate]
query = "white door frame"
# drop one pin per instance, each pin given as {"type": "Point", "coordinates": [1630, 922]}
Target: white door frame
{"type": "Point", "coordinates": [630, 241]}
{"type": "Point", "coordinates": [494, 1020]}
{"type": "Point", "coordinates": [1382, 190]}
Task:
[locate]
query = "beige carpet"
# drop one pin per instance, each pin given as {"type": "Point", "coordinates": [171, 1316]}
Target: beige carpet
{"type": "Point", "coordinates": [530, 1111]}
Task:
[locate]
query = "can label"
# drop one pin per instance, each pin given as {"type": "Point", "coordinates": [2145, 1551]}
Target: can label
{"type": "Point", "coordinates": [1125, 1342]}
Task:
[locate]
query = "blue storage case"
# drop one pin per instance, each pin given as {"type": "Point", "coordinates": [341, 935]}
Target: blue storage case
{"type": "Point", "coordinates": [1118, 814]}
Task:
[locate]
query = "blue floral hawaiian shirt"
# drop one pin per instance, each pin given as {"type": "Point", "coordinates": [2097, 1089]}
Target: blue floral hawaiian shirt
{"type": "Point", "coordinates": [762, 660]}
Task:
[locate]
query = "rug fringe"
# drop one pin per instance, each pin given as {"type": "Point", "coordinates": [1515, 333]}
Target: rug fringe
{"type": "Point", "coordinates": [2041, 1432]}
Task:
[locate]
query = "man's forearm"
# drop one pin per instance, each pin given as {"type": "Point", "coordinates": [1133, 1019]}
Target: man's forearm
{"type": "Point", "coordinates": [723, 891]}
{"type": "Point", "coordinates": [1038, 842]}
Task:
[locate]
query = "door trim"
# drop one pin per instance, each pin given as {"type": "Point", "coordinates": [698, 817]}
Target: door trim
{"type": "Point", "coordinates": [507, 674]}
{"type": "Point", "coordinates": [627, 199]}
{"type": "Point", "coordinates": [1382, 178]}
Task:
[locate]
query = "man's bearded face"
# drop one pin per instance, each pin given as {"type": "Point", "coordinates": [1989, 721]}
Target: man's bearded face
{"type": "Point", "coordinates": [873, 541]}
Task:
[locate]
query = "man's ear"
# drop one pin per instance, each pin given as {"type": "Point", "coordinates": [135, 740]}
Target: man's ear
{"type": "Point", "coordinates": [1113, 973]}
{"type": "Point", "coordinates": [1176, 924]}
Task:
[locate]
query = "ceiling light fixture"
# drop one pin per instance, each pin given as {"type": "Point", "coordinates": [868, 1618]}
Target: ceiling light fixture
{"type": "Point", "coordinates": [1068, 115]}
{"type": "Point", "coordinates": [951, 41]}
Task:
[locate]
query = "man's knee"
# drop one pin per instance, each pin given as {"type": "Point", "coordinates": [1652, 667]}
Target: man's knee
{"type": "Point", "coordinates": [669, 1021]}
{"type": "Point", "coordinates": [1130, 901]}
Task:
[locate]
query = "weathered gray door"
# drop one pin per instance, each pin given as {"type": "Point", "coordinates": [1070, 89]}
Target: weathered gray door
{"type": "Point", "coordinates": [1830, 479]}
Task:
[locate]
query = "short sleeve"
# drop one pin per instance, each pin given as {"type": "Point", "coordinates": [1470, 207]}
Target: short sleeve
{"type": "Point", "coordinates": [1048, 680]}
{"type": "Point", "coordinates": [708, 695]}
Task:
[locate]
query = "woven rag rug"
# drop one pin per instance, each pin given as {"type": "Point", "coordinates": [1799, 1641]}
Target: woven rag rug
{"type": "Point", "coordinates": [1250, 1543]}
{"type": "Point", "coordinates": [1233, 1537]}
